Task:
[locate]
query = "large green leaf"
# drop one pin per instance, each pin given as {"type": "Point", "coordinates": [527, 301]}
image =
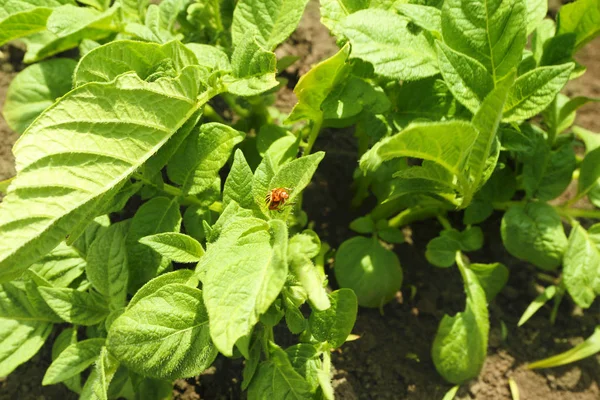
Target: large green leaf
{"type": "Point", "coordinates": [385, 40]}
{"type": "Point", "coordinates": [333, 12]}
{"type": "Point", "coordinates": [533, 91]}
{"type": "Point", "coordinates": [36, 88]}
{"type": "Point", "coordinates": [581, 18]}
{"type": "Point", "coordinates": [460, 345]}
{"type": "Point", "coordinates": [60, 184]}
{"type": "Point", "coordinates": [19, 341]}
{"type": "Point", "coordinates": [165, 334]}
{"type": "Point", "coordinates": [490, 31]}
{"type": "Point", "coordinates": [20, 18]}
{"type": "Point", "coordinates": [581, 272]}
{"type": "Point", "coordinates": [73, 360]}
{"type": "Point", "coordinates": [81, 308]}
{"type": "Point", "coordinates": [270, 22]}
{"type": "Point", "coordinates": [243, 273]}
{"type": "Point", "coordinates": [175, 246]}
{"type": "Point", "coordinates": [533, 232]}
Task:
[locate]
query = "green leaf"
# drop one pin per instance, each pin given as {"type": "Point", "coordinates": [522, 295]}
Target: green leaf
{"type": "Point", "coordinates": [391, 235]}
{"type": "Point", "coordinates": [242, 274]}
{"type": "Point", "coordinates": [384, 39]}
{"type": "Point", "coordinates": [158, 215]}
{"type": "Point", "coordinates": [277, 379]}
{"type": "Point", "coordinates": [491, 277]}
{"type": "Point", "coordinates": [107, 267]}
{"type": "Point", "coordinates": [253, 71]}
{"type": "Point", "coordinates": [165, 334]}
{"type": "Point", "coordinates": [99, 381]}
{"type": "Point", "coordinates": [544, 31]}
{"type": "Point", "coordinates": [333, 12]}
{"type": "Point", "coordinates": [48, 200]}
{"type": "Point", "coordinates": [17, 304]}
{"type": "Point", "coordinates": [536, 12]}
{"type": "Point", "coordinates": [581, 18]}
{"type": "Point", "coordinates": [460, 345]}
{"type": "Point", "coordinates": [583, 350]}
{"type": "Point", "coordinates": [363, 225]}
{"type": "Point", "coordinates": [74, 359]}
{"type": "Point", "coordinates": [537, 303]}
{"type": "Point", "coordinates": [210, 56]}
{"type": "Point", "coordinates": [305, 359]}
{"type": "Point", "coordinates": [181, 276]}
{"type": "Point", "coordinates": [92, 231]}
{"type": "Point", "coordinates": [126, 56]}
{"type": "Point", "coordinates": [271, 23]}
{"type": "Point", "coordinates": [35, 89]}
{"type": "Point", "coordinates": [25, 17]}
{"type": "Point", "coordinates": [193, 221]}
{"type": "Point", "coordinates": [238, 186]}
{"type": "Point", "coordinates": [334, 324]}
{"type": "Point", "coordinates": [157, 25]}
{"type": "Point", "coordinates": [251, 363]}
{"type": "Point", "coordinates": [352, 96]}
{"type": "Point", "coordinates": [471, 239]}
{"type": "Point", "coordinates": [197, 162]}
{"type": "Point", "coordinates": [61, 266]}
{"type": "Point", "coordinates": [468, 79]}
{"type": "Point", "coordinates": [581, 272]}
{"type": "Point", "coordinates": [19, 341]}
{"type": "Point", "coordinates": [493, 32]}
{"type": "Point", "coordinates": [80, 308]}
{"type": "Point", "coordinates": [445, 143]}
{"type": "Point", "coordinates": [533, 91]}
{"type": "Point", "coordinates": [426, 17]}
{"type": "Point", "coordinates": [373, 272]}
{"type": "Point", "coordinates": [589, 172]}
{"type": "Point", "coordinates": [175, 246]}
{"type": "Point", "coordinates": [589, 138]}
{"type": "Point", "coordinates": [62, 341]}
{"type": "Point", "coordinates": [441, 251]}
{"type": "Point", "coordinates": [566, 115]}
{"type": "Point", "coordinates": [313, 87]}
{"type": "Point", "coordinates": [533, 232]}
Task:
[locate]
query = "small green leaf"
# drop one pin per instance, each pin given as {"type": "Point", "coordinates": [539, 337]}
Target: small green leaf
{"type": "Point", "coordinates": [271, 23]}
{"type": "Point", "coordinates": [427, 17]}
{"type": "Point", "coordinates": [537, 303]}
{"type": "Point", "coordinates": [471, 239]}
{"type": "Point", "coordinates": [533, 91]}
{"type": "Point", "coordinates": [210, 56]}
{"type": "Point", "coordinates": [589, 172]}
{"type": "Point", "coordinates": [363, 225]}
{"type": "Point", "coordinates": [19, 341]}
{"type": "Point", "coordinates": [313, 88]}
{"type": "Point", "coordinates": [35, 89]}
{"type": "Point", "coordinates": [384, 39]}
{"type": "Point", "coordinates": [491, 277]}
{"type": "Point", "coordinates": [165, 334]}
{"type": "Point", "coordinates": [238, 186]}
{"type": "Point", "coordinates": [61, 266]}
{"type": "Point", "coordinates": [581, 272]}
{"type": "Point", "coordinates": [253, 71]}
{"type": "Point", "coordinates": [334, 324]}
{"type": "Point", "coordinates": [333, 12]}
{"type": "Point", "coordinates": [80, 308]}
{"type": "Point", "coordinates": [581, 18]}
{"type": "Point", "coordinates": [391, 235]}
{"type": "Point", "coordinates": [536, 12]}
{"type": "Point", "coordinates": [175, 246]}
{"type": "Point", "coordinates": [99, 381]}
{"type": "Point", "coordinates": [533, 232]}
{"type": "Point", "coordinates": [106, 266]}
{"type": "Point", "coordinates": [373, 272]}
{"type": "Point", "coordinates": [441, 251]}
{"type": "Point", "coordinates": [62, 341]}
{"type": "Point", "coordinates": [181, 276]}
{"type": "Point", "coordinates": [144, 263]}
{"type": "Point", "coordinates": [73, 360]}
{"type": "Point", "coordinates": [583, 350]}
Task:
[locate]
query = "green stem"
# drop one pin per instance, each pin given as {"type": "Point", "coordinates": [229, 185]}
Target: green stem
{"type": "Point", "coordinates": [444, 221]}
{"type": "Point", "coordinates": [563, 211]}
{"type": "Point", "coordinates": [217, 206]}
{"type": "Point", "coordinates": [312, 136]}
{"type": "Point", "coordinates": [552, 125]}
{"type": "Point", "coordinates": [414, 214]}
{"type": "Point", "coordinates": [212, 115]}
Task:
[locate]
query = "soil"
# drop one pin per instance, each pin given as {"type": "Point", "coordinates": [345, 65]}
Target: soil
{"type": "Point", "coordinates": [391, 359]}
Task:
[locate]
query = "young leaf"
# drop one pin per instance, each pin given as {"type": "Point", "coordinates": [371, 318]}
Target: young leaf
{"type": "Point", "coordinates": [107, 267]}
{"type": "Point", "coordinates": [19, 341]}
{"type": "Point", "coordinates": [175, 246]}
{"type": "Point", "coordinates": [589, 172]}
{"type": "Point", "coordinates": [144, 263]}
{"type": "Point", "coordinates": [334, 324]}
{"type": "Point", "coordinates": [97, 385]}
{"type": "Point", "coordinates": [363, 225]}
{"type": "Point", "coordinates": [181, 276]}
{"type": "Point", "coordinates": [80, 308]}
{"type": "Point", "coordinates": [468, 79]}
{"type": "Point", "coordinates": [537, 303]}
{"type": "Point", "coordinates": [49, 200]}
{"type": "Point", "coordinates": [494, 34]}
{"type": "Point", "coordinates": [581, 18]}
{"type": "Point", "coordinates": [165, 334]}
{"type": "Point", "coordinates": [36, 88]}
{"type": "Point", "coordinates": [441, 251]}
{"type": "Point", "coordinates": [385, 40]}
{"type": "Point", "coordinates": [62, 341]}
{"type": "Point", "coordinates": [73, 360]}
{"type": "Point", "coordinates": [533, 91]}
{"type": "Point", "coordinates": [491, 277]}
{"type": "Point", "coordinates": [197, 162]}
{"type": "Point", "coordinates": [373, 272]}
{"type": "Point", "coordinates": [277, 379]}
{"type": "Point", "coordinates": [427, 17]}
{"type": "Point", "coordinates": [313, 88]}
{"type": "Point", "coordinates": [253, 71]}
{"type": "Point", "coordinates": [305, 359]}
{"type": "Point", "coordinates": [581, 272]}
{"type": "Point", "coordinates": [271, 23]}
{"type": "Point", "coordinates": [23, 18]}
{"type": "Point", "coordinates": [536, 12]}
{"type": "Point", "coordinates": [460, 345]}
{"type": "Point", "coordinates": [333, 12]}
{"type": "Point", "coordinates": [210, 56]}
{"type": "Point", "coordinates": [238, 186]}
{"type": "Point", "coordinates": [61, 266]}
{"type": "Point", "coordinates": [583, 350]}
{"type": "Point", "coordinates": [242, 274]}
{"type": "Point", "coordinates": [534, 233]}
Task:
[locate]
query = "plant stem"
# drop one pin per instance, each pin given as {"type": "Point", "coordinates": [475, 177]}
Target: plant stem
{"type": "Point", "coordinates": [212, 115]}
{"type": "Point", "coordinates": [312, 136]}
{"type": "Point", "coordinates": [561, 210]}
{"type": "Point", "coordinates": [217, 206]}
{"type": "Point", "coordinates": [414, 214]}
{"type": "Point", "coordinates": [444, 221]}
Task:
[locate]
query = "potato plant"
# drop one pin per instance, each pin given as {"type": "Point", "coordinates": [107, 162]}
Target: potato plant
{"type": "Point", "coordinates": [457, 107]}
{"type": "Point", "coordinates": [139, 227]}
